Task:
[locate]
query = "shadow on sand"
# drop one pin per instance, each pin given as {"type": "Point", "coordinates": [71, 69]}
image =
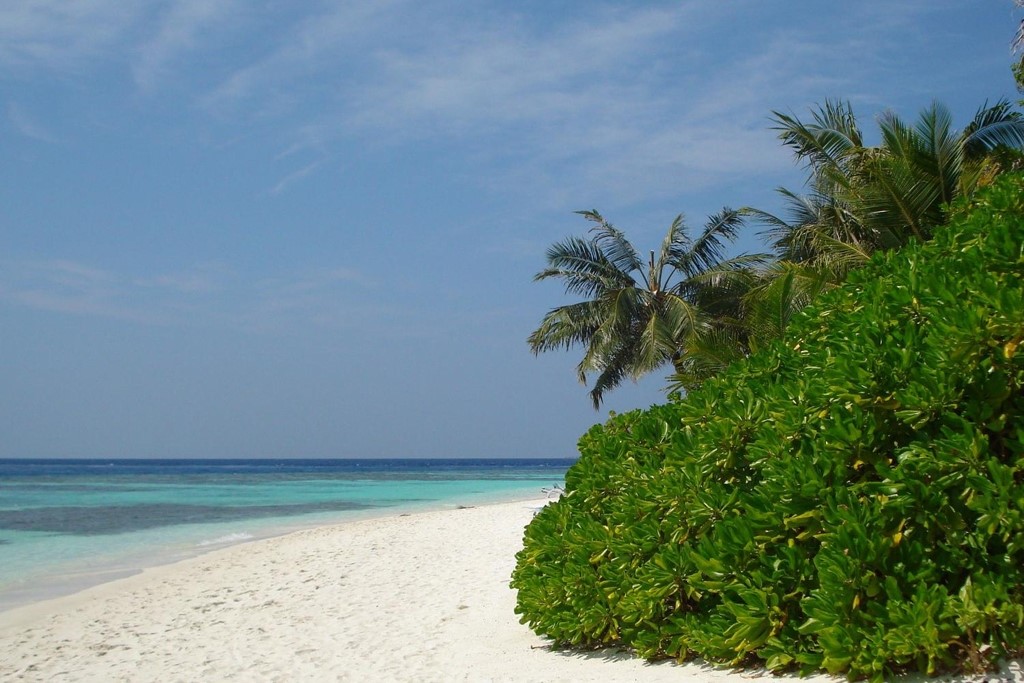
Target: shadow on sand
{"type": "Point", "coordinates": [1010, 672]}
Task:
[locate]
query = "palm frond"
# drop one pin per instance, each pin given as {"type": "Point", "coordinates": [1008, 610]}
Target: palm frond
{"type": "Point", "coordinates": [939, 152]}
{"type": "Point", "coordinates": [620, 311]}
{"type": "Point", "coordinates": [655, 345]}
{"type": "Point", "coordinates": [824, 142]}
{"type": "Point", "coordinates": [785, 289]}
{"type": "Point", "coordinates": [614, 371]}
{"type": "Point", "coordinates": [1008, 134]}
{"type": "Point", "coordinates": [706, 354]}
{"type": "Point", "coordinates": [897, 136]}
{"type": "Point", "coordinates": [583, 267]}
{"type": "Point", "coordinates": [679, 319]}
{"type": "Point", "coordinates": [899, 200]}
{"type": "Point", "coordinates": [724, 278]}
{"type": "Point", "coordinates": [676, 241]}
{"type": "Point", "coordinates": [837, 257]}
{"type": "Point", "coordinates": [613, 243]}
{"type": "Point", "coordinates": [779, 232]}
{"type": "Point", "coordinates": [810, 215]}
{"type": "Point", "coordinates": [567, 326]}
{"type": "Point", "coordinates": [1000, 112]}
{"type": "Point", "coordinates": [708, 249]}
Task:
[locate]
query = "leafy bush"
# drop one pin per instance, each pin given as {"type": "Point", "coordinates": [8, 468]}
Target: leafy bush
{"type": "Point", "coordinates": [851, 499]}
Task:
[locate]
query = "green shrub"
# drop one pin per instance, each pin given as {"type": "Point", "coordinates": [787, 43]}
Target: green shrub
{"type": "Point", "coordinates": [849, 500]}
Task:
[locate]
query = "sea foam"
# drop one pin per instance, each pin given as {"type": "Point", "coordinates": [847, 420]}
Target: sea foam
{"type": "Point", "coordinates": [228, 538]}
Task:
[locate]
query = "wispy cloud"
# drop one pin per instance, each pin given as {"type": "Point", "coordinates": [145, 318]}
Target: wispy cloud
{"type": "Point", "coordinates": [584, 100]}
{"type": "Point", "coordinates": [314, 44]}
{"type": "Point", "coordinates": [565, 94]}
{"type": "Point", "coordinates": [208, 294]}
{"type": "Point", "coordinates": [180, 29]}
{"type": "Point", "coordinates": [56, 34]}
{"type": "Point", "coordinates": [28, 125]}
{"type": "Point", "coordinates": [295, 176]}
{"type": "Point", "coordinates": [202, 279]}
{"type": "Point", "coordinates": [465, 78]}
{"type": "Point", "coordinates": [638, 100]}
{"type": "Point", "coordinates": [69, 287]}
{"type": "Point", "coordinates": [332, 296]}
{"type": "Point", "coordinates": [323, 279]}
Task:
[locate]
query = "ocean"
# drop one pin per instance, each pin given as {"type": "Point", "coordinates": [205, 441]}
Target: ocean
{"type": "Point", "coordinates": [69, 524]}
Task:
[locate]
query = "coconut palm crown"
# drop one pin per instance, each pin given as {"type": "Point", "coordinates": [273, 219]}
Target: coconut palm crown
{"type": "Point", "coordinates": [637, 313]}
{"type": "Point", "coordinates": [861, 199]}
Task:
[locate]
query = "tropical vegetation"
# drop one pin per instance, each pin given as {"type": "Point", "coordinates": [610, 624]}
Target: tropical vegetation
{"type": "Point", "coordinates": [862, 199]}
{"type": "Point", "coordinates": [691, 307]}
{"type": "Point", "coordinates": [849, 498]}
{"type": "Point", "coordinates": [638, 315]}
{"type": "Point", "coordinates": [839, 486]}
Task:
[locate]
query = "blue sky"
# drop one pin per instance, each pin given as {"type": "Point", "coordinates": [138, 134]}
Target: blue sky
{"type": "Point", "coordinates": [279, 229]}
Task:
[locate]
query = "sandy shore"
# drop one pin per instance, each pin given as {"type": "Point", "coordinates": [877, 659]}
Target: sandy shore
{"type": "Point", "coordinates": [422, 597]}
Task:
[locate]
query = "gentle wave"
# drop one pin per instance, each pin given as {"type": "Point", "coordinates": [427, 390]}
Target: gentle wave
{"type": "Point", "coordinates": [229, 538]}
{"type": "Point", "coordinates": [63, 517]}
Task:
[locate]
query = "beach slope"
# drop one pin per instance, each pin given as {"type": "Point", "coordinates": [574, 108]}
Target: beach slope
{"type": "Point", "coordinates": [420, 597]}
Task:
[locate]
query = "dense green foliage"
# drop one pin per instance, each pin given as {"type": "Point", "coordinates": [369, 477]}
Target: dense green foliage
{"type": "Point", "coordinates": [689, 306]}
{"type": "Point", "coordinates": [860, 199]}
{"type": "Point", "coordinates": [851, 498]}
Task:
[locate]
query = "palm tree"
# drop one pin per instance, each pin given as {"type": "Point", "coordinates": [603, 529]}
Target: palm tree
{"type": "Point", "coordinates": [862, 199]}
{"type": "Point", "coordinates": [637, 316]}
{"type": "Point", "coordinates": [773, 296]}
{"type": "Point", "coordinates": [1016, 45]}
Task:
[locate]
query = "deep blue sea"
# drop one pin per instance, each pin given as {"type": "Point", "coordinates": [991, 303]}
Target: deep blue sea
{"type": "Point", "coordinates": [68, 524]}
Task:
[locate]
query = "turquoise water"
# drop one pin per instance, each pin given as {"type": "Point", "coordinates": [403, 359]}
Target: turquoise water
{"type": "Point", "coordinates": [65, 525]}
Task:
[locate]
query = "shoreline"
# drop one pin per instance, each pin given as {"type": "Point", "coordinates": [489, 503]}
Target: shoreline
{"type": "Point", "coordinates": [420, 596]}
{"type": "Point", "coordinates": [27, 612]}
{"type": "Point", "coordinates": [57, 580]}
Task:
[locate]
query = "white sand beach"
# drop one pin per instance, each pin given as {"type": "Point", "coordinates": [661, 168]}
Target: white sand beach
{"type": "Point", "coordinates": [420, 597]}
